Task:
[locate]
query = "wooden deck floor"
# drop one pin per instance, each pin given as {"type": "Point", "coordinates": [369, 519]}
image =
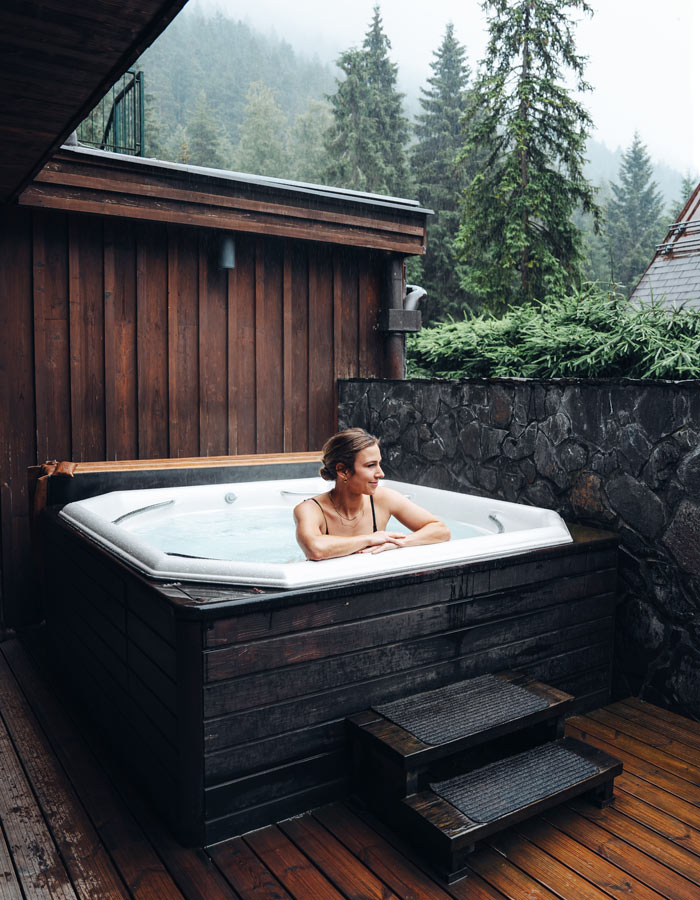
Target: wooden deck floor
{"type": "Point", "coordinates": [72, 826]}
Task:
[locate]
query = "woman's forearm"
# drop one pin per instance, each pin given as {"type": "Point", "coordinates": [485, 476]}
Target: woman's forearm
{"type": "Point", "coordinates": [432, 533]}
{"type": "Point", "coordinates": [328, 546]}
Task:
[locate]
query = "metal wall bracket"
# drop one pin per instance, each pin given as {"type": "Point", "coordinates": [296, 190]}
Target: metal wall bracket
{"type": "Point", "coordinates": [399, 320]}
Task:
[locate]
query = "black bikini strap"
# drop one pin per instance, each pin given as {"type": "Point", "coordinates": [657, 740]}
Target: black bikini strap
{"type": "Point", "coordinates": [374, 518]}
{"type": "Point", "coordinates": [321, 508]}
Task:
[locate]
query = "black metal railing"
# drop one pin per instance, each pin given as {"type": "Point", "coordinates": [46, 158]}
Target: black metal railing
{"type": "Point", "coordinates": [117, 122]}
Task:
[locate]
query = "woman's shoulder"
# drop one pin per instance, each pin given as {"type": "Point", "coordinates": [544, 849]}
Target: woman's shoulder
{"type": "Point", "coordinates": [310, 503]}
{"type": "Point", "coordinates": [386, 496]}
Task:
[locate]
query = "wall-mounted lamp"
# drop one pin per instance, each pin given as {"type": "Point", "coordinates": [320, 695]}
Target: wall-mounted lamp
{"type": "Point", "coordinates": [227, 252]}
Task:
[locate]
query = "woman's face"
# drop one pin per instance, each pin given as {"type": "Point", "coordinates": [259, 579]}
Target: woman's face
{"type": "Point", "coordinates": [365, 476]}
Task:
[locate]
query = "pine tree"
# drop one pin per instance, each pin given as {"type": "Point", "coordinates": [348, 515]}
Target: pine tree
{"type": "Point", "coordinates": [688, 185]}
{"type": "Point", "coordinates": [366, 141]}
{"type": "Point", "coordinates": [307, 153]}
{"type": "Point", "coordinates": [635, 216]}
{"type": "Point", "coordinates": [206, 143]}
{"type": "Point", "coordinates": [518, 241]}
{"type": "Point", "coordinates": [439, 178]}
{"type": "Point", "coordinates": [261, 149]}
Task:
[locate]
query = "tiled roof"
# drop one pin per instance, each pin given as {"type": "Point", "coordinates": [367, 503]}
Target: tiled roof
{"type": "Point", "coordinates": [674, 273]}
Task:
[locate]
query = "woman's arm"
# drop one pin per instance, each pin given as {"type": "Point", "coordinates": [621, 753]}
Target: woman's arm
{"type": "Point", "coordinates": [318, 545]}
{"type": "Point", "coordinates": [426, 528]}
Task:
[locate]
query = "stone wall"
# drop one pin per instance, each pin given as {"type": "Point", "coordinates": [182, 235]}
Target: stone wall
{"type": "Point", "coordinates": [621, 455]}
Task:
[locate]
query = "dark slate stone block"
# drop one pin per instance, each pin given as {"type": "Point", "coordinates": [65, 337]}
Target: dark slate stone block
{"type": "Point", "coordinates": [446, 432]}
{"type": "Point", "coordinates": [539, 493]}
{"type": "Point", "coordinates": [546, 462]}
{"type": "Point", "coordinates": [633, 447]}
{"type": "Point", "coordinates": [522, 445]}
{"type": "Point", "coordinates": [638, 506]}
{"type": "Point", "coordinates": [655, 412]}
{"type": "Point", "coordinates": [662, 464]}
{"type": "Point", "coordinates": [491, 440]}
{"type": "Point", "coordinates": [572, 456]}
{"type": "Point", "coordinates": [587, 496]}
{"type": "Point", "coordinates": [684, 677]}
{"type": "Point", "coordinates": [501, 406]}
{"type": "Point", "coordinates": [683, 536]}
{"type": "Point", "coordinates": [689, 472]}
{"type": "Point", "coordinates": [527, 467]}
{"type": "Point", "coordinates": [391, 431]}
{"type": "Point", "coordinates": [556, 427]}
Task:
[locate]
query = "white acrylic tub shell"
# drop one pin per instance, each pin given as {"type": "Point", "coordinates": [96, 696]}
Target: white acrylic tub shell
{"type": "Point", "coordinates": [524, 528]}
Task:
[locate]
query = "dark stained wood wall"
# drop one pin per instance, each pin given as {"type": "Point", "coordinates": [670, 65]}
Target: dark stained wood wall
{"type": "Point", "coordinates": [124, 340]}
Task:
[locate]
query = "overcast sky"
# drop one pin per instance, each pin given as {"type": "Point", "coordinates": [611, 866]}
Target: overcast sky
{"type": "Point", "coordinates": [644, 56]}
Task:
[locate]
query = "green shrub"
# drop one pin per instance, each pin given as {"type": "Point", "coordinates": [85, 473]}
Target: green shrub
{"type": "Point", "coordinates": [594, 334]}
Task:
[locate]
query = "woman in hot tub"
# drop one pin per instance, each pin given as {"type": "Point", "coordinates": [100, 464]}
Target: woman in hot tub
{"type": "Point", "coordinates": [352, 516]}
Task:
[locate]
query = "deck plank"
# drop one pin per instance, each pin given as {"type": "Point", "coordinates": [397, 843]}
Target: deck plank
{"type": "Point", "coordinates": [643, 750]}
{"type": "Point", "coordinates": [10, 888]}
{"type": "Point", "coordinates": [343, 869]}
{"type": "Point", "coordinates": [247, 874]}
{"type": "Point", "coordinates": [639, 766]}
{"type": "Point", "coordinates": [588, 864]}
{"type": "Point", "coordinates": [501, 874]}
{"type": "Point", "coordinates": [682, 810]}
{"type": "Point", "coordinates": [668, 717]}
{"type": "Point", "coordinates": [545, 869]}
{"type": "Point", "coordinates": [682, 733]}
{"type": "Point", "coordinates": [290, 866]}
{"type": "Point", "coordinates": [651, 843]}
{"type": "Point", "coordinates": [37, 861]}
{"type": "Point", "coordinates": [190, 874]}
{"type": "Point", "coordinates": [388, 864]}
{"type": "Point", "coordinates": [636, 862]}
{"type": "Point", "coordinates": [89, 866]}
{"type": "Point", "coordinates": [139, 865]}
{"type": "Point", "coordinates": [649, 736]}
{"type": "Point", "coordinates": [670, 827]}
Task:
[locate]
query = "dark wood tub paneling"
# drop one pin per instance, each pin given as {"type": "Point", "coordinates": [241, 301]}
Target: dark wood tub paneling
{"type": "Point", "coordinates": [233, 699]}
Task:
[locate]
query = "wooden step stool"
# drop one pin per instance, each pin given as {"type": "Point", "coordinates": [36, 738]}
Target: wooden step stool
{"type": "Point", "coordinates": [451, 766]}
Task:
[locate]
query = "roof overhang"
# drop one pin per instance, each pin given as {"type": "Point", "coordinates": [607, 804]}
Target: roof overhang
{"type": "Point", "coordinates": [108, 184]}
{"type": "Point", "coordinates": [57, 60]}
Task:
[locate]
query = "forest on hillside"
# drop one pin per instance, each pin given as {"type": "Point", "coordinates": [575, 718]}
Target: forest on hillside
{"type": "Point", "coordinates": [220, 94]}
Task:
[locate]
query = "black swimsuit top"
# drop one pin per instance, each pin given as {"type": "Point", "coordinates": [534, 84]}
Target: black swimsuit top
{"type": "Point", "coordinates": [371, 503]}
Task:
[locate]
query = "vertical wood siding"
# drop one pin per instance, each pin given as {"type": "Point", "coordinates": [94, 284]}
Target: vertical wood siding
{"type": "Point", "coordinates": [124, 340]}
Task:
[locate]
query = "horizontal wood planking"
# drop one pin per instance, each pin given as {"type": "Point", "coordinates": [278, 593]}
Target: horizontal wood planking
{"type": "Point", "coordinates": [434, 615]}
{"type": "Point", "coordinates": [124, 339]}
{"type": "Point", "coordinates": [309, 709]}
{"type": "Point", "coordinates": [279, 684]}
{"type": "Point", "coordinates": [355, 602]}
{"type": "Point", "coordinates": [85, 183]}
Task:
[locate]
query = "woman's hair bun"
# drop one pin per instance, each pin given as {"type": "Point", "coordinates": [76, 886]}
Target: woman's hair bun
{"type": "Point", "coordinates": [326, 474]}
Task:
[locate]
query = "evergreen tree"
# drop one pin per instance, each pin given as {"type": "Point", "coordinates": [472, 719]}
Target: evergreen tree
{"type": "Point", "coordinates": [175, 148]}
{"type": "Point", "coordinates": [688, 185]}
{"type": "Point", "coordinates": [635, 216]}
{"type": "Point", "coordinates": [307, 153]}
{"type": "Point", "coordinates": [366, 141]}
{"type": "Point", "coordinates": [518, 240]}
{"type": "Point", "coordinates": [597, 263]}
{"type": "Point", "coordinates": [206, 143]}
{"type": "Point", "coordinates": [261, 149]}
{"type": "Point", "coordinates": [439, 178]}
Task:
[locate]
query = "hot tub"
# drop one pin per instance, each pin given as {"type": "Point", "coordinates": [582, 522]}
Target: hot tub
{"type": "Point", "coordinates": [243, 533]}
{"type": "Point", "coordinates": [227, 700]}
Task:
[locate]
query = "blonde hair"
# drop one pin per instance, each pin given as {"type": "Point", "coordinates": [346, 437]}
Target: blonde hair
{"type": "Point", "coordinates": [342, 448]}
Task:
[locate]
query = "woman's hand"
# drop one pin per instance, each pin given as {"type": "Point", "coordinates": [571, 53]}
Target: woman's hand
{"type": "Point", "coordinates": [380, 541]}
